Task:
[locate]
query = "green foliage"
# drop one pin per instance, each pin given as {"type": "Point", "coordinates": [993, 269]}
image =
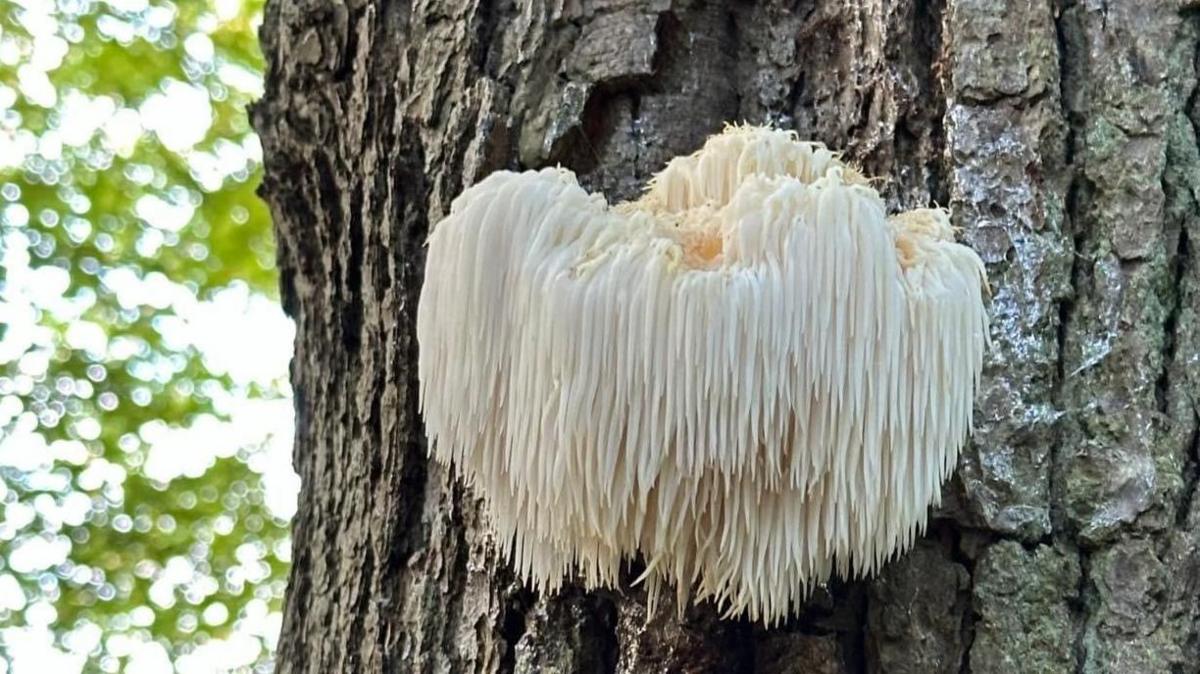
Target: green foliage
{"type": "Point", "coordinates": [127, 203]}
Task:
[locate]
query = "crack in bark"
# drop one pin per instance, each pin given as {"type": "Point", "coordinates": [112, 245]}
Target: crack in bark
{"type": "Point", "coordinates": [1077, 236]}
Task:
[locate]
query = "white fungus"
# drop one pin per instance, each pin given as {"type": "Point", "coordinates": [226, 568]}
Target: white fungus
{"type": "Point", "coordinates": [751, 376]}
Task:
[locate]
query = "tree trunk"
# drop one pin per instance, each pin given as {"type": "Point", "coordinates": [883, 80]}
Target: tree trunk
{"type": "Point", "coordinates": [1062, 135]}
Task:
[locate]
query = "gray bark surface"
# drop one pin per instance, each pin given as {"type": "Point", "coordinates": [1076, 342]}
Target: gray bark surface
{"type": "Point", "coordinates": [1062, 134]}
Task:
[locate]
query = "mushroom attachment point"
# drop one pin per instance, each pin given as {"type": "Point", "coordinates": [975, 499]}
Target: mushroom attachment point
{"type": "Point", "coordinates": [752, 376]}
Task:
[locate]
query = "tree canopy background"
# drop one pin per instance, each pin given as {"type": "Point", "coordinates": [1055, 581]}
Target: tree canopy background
{"type": "Point", "coordinates": [144, 412]}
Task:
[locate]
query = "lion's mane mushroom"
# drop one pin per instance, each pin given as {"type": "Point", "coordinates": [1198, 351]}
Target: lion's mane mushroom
{"type": "Point", "coordinates": [751, 376]}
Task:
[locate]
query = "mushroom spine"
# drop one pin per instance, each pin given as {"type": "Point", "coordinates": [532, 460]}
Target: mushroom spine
{"type": "Point", "coordinates": [751, 376]}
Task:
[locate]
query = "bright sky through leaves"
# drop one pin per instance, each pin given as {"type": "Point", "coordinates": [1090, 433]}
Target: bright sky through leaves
{"type": "Point", "coordinates": [145, 420]}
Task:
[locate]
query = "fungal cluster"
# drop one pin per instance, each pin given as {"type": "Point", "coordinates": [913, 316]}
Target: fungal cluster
{"type": "Point", "coordinates": [751, 377]}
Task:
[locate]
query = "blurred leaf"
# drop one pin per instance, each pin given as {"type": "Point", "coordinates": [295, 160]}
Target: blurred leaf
{"type": "Point", "coordinates": [127, 206]}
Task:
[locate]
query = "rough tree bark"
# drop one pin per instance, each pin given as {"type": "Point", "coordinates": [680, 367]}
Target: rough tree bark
{"type": "Point", "coordinates": [1062, 133]}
